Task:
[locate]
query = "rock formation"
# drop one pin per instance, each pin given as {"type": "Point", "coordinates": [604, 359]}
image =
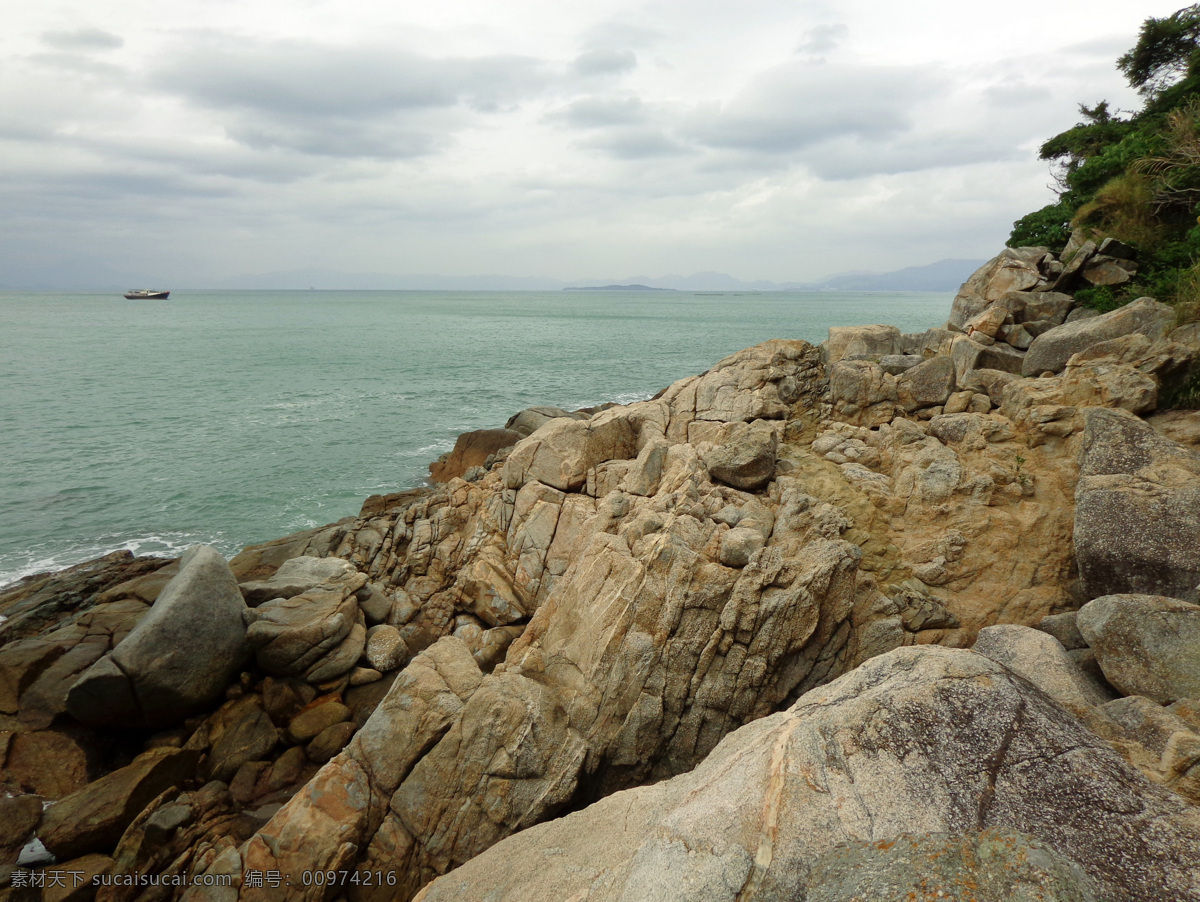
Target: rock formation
{"type": "Point", "coordinates": [708, 645]}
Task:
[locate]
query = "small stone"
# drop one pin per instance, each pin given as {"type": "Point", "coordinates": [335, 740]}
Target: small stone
{"type": "Point", "coordinates": [958, 402]}
{"type": "Point", "coordinates": [739, 545]}
{"type": "Point", "coordinates": [287, 769]}
{"type": "Point", "coordinates": [283, 698]}
{"type": "Point", "coordinates": [307, 724]}
{"type": "Point", "coordinates": [1063, 628]}
{"type": "Point", "coordinates": [330, 741]}
{"type": "Point", "coordinates": [360, 676]}
{"type": "Point", "coordinates": [385, 649]}
{"type": "Point", "coordinates": [244, 785]}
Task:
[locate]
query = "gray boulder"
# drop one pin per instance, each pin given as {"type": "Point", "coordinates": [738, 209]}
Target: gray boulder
{"type": "Point", "coordinates": [529, 420]}
{"type": "Point", "coordinates": [293, 636]}
{"type": "Point", "coordinates": [295, 576]}
{"type": "Point", "coordinates": [1074, 260]}
{"type": "Point", "coordinates": [1105, 270]}
{"type": "Point", "coordinates": [1064, 628]}
{"type": "Point", "coordinates": [862, 392]}
{"type": "Point", "coordinates": [993, 865]}
{"type": "Point", "coordinates": [1042, 660]}
{"type": "Point", "coordinates": [1146, 644]}
{"type": "Point", "coordinates": [747, 459]}
{"type": "Point", "coordinates": [1013, 269]}
{"type": "Point", "coordinates": [988, 382]}
{"type": "Point", "coordinates": [927, 384]}
{"type": "Point", "coordinates": [1039, 306]}
{"type": "Point", "coordinates": [179, 657]}
{"type": "Point", "coordinates": [895, 364]}
{"type": "Point", "coordinates": [879, 756]}
{"type": "Point", "coordinates": [970, 355]}
{"type": "Point", "coordinates": [1137, 509]}
{"type": "Point", "coordinates": [860, 342]}
{"type": "Point", "coordinates": [1051, 350]}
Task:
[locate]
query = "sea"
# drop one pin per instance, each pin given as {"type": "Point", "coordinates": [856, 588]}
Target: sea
{"type": "Point", "coordinates": [235, 417]}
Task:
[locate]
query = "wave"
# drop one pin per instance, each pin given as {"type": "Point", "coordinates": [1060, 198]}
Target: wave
{"type": "Point", "coordinates": [22, 564]}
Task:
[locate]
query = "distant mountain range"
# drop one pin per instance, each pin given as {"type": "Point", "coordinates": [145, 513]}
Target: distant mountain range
{"type": "Point", "coordinates": [945, 275]}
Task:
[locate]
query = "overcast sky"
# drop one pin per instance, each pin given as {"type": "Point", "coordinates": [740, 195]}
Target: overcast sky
{"type": "Point", "coordinates": [773, 140]}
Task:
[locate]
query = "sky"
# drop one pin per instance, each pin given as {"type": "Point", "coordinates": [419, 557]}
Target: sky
{"type": "Point", "coordinates": [195, 142]}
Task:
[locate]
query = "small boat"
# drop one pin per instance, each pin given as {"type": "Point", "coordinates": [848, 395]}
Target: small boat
{"type": "Point", "coordinates": [146, 294]}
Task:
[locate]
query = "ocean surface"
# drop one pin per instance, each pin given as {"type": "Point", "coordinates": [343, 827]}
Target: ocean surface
{"type": "Point", "coordinates": [236, 417]}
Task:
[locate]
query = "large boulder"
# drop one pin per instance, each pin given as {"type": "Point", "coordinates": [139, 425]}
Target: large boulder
{"type": "Point", "coordinates": [862, 392]}
{"type": "Point", "coordinates": [93, 818]}
{"type": "Point", "coordinates": [472, 449]}
{"type": "Point", "coordinates": [298, 575]}
{"type": "Point", "coordinates": [1145, 644]}
{"type": "Point", "coordinates": [1051, 350]}
{"type": "Point", "coordinates": [179, 657]}
{"type": "Point", "coordinates": [860, 342]}
{"type": "Point", "coordinates": [1041, 659]}
{"type": "Point", "coordinates": [531, 419]}
{"type": "Point", "coordinates": [1137, 509]}
{"type": "Point", "coordinates": [1013, 269]}
{"type": "Point", "coordinates": [783, 809]}
{"type": "Point", "coordinates": [968, 355]}
{"type": "Point", "coordinates": [318, 634]}
{"type": "Point", "coordinates": [560, 453]}
{"type": "Point", "coordinates": [927, 384]}
{"type": "Point", "coordinates": [746, 460]}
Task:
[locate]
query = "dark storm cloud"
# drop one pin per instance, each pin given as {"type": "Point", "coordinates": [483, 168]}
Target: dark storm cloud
{"type": "Point", "coordinates": [83, 39]}
{"type": "Point", "coordinates": [343, 101]}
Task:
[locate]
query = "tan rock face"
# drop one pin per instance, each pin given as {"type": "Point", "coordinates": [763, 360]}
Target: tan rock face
{"type": "Point", "coordinates": [873, 757]}
{"type": "Point", "coordinates": [656, 608]}
{"type": "Point", "coordinates": [472, 449]}
{"type": "Point", "coordinates": [629, 587]}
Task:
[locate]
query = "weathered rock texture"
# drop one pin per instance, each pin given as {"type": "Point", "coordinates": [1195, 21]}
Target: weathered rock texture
{"type": "Point", "coordinates": [1137, 516]}
{"type": "Point", "coordinates": [178, 658]}
{"type": "Point", "coordinates": [881, 756]}
{"type": "Point", "coordinates": [598, 606]}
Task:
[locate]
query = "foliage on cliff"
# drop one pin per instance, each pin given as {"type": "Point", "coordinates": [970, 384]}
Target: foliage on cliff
{"type": "Point", "coordinates": [1137, 177]}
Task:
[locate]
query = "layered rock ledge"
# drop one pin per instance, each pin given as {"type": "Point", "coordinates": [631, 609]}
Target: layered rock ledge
{"type": "Point", "coordinates": [709, 645]}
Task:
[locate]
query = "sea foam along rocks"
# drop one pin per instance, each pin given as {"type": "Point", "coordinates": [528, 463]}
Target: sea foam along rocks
{"type": "Point", "coordinates": [179, 657]}
{"type": "Point", "coordinates": [875, 756]}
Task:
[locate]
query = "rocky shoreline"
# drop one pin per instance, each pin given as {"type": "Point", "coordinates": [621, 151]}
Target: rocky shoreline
{"type": "Point", "coordinates": [898, 613]}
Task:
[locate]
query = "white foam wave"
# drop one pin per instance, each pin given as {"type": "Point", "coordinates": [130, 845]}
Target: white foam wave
{"type": "Point", "coordinates": [164, 545]}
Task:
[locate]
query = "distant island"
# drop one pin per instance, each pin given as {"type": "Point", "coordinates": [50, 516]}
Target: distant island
{"type": "Point", "coordinates": [616, 288]}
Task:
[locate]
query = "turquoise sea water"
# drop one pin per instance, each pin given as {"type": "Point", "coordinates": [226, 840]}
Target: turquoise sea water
{"type": "Point", "coordinates": [236, 417]}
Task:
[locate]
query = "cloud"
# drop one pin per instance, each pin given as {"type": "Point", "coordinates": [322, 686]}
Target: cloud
{"type": "Point", "coordinates": [602, 112]}
{"type": "Point", "coordinates": [822, 39]}
{"type": "Point", "coordinates": [638, 143]}
{"type": "Point", "coordinates": [604, 62]}
{"type": "Point", "coordinates": [345, 101]}
{"type": "Point", "coordinates": [83, 40]}
{"type": "Point", "coordinates": [797, 105]}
